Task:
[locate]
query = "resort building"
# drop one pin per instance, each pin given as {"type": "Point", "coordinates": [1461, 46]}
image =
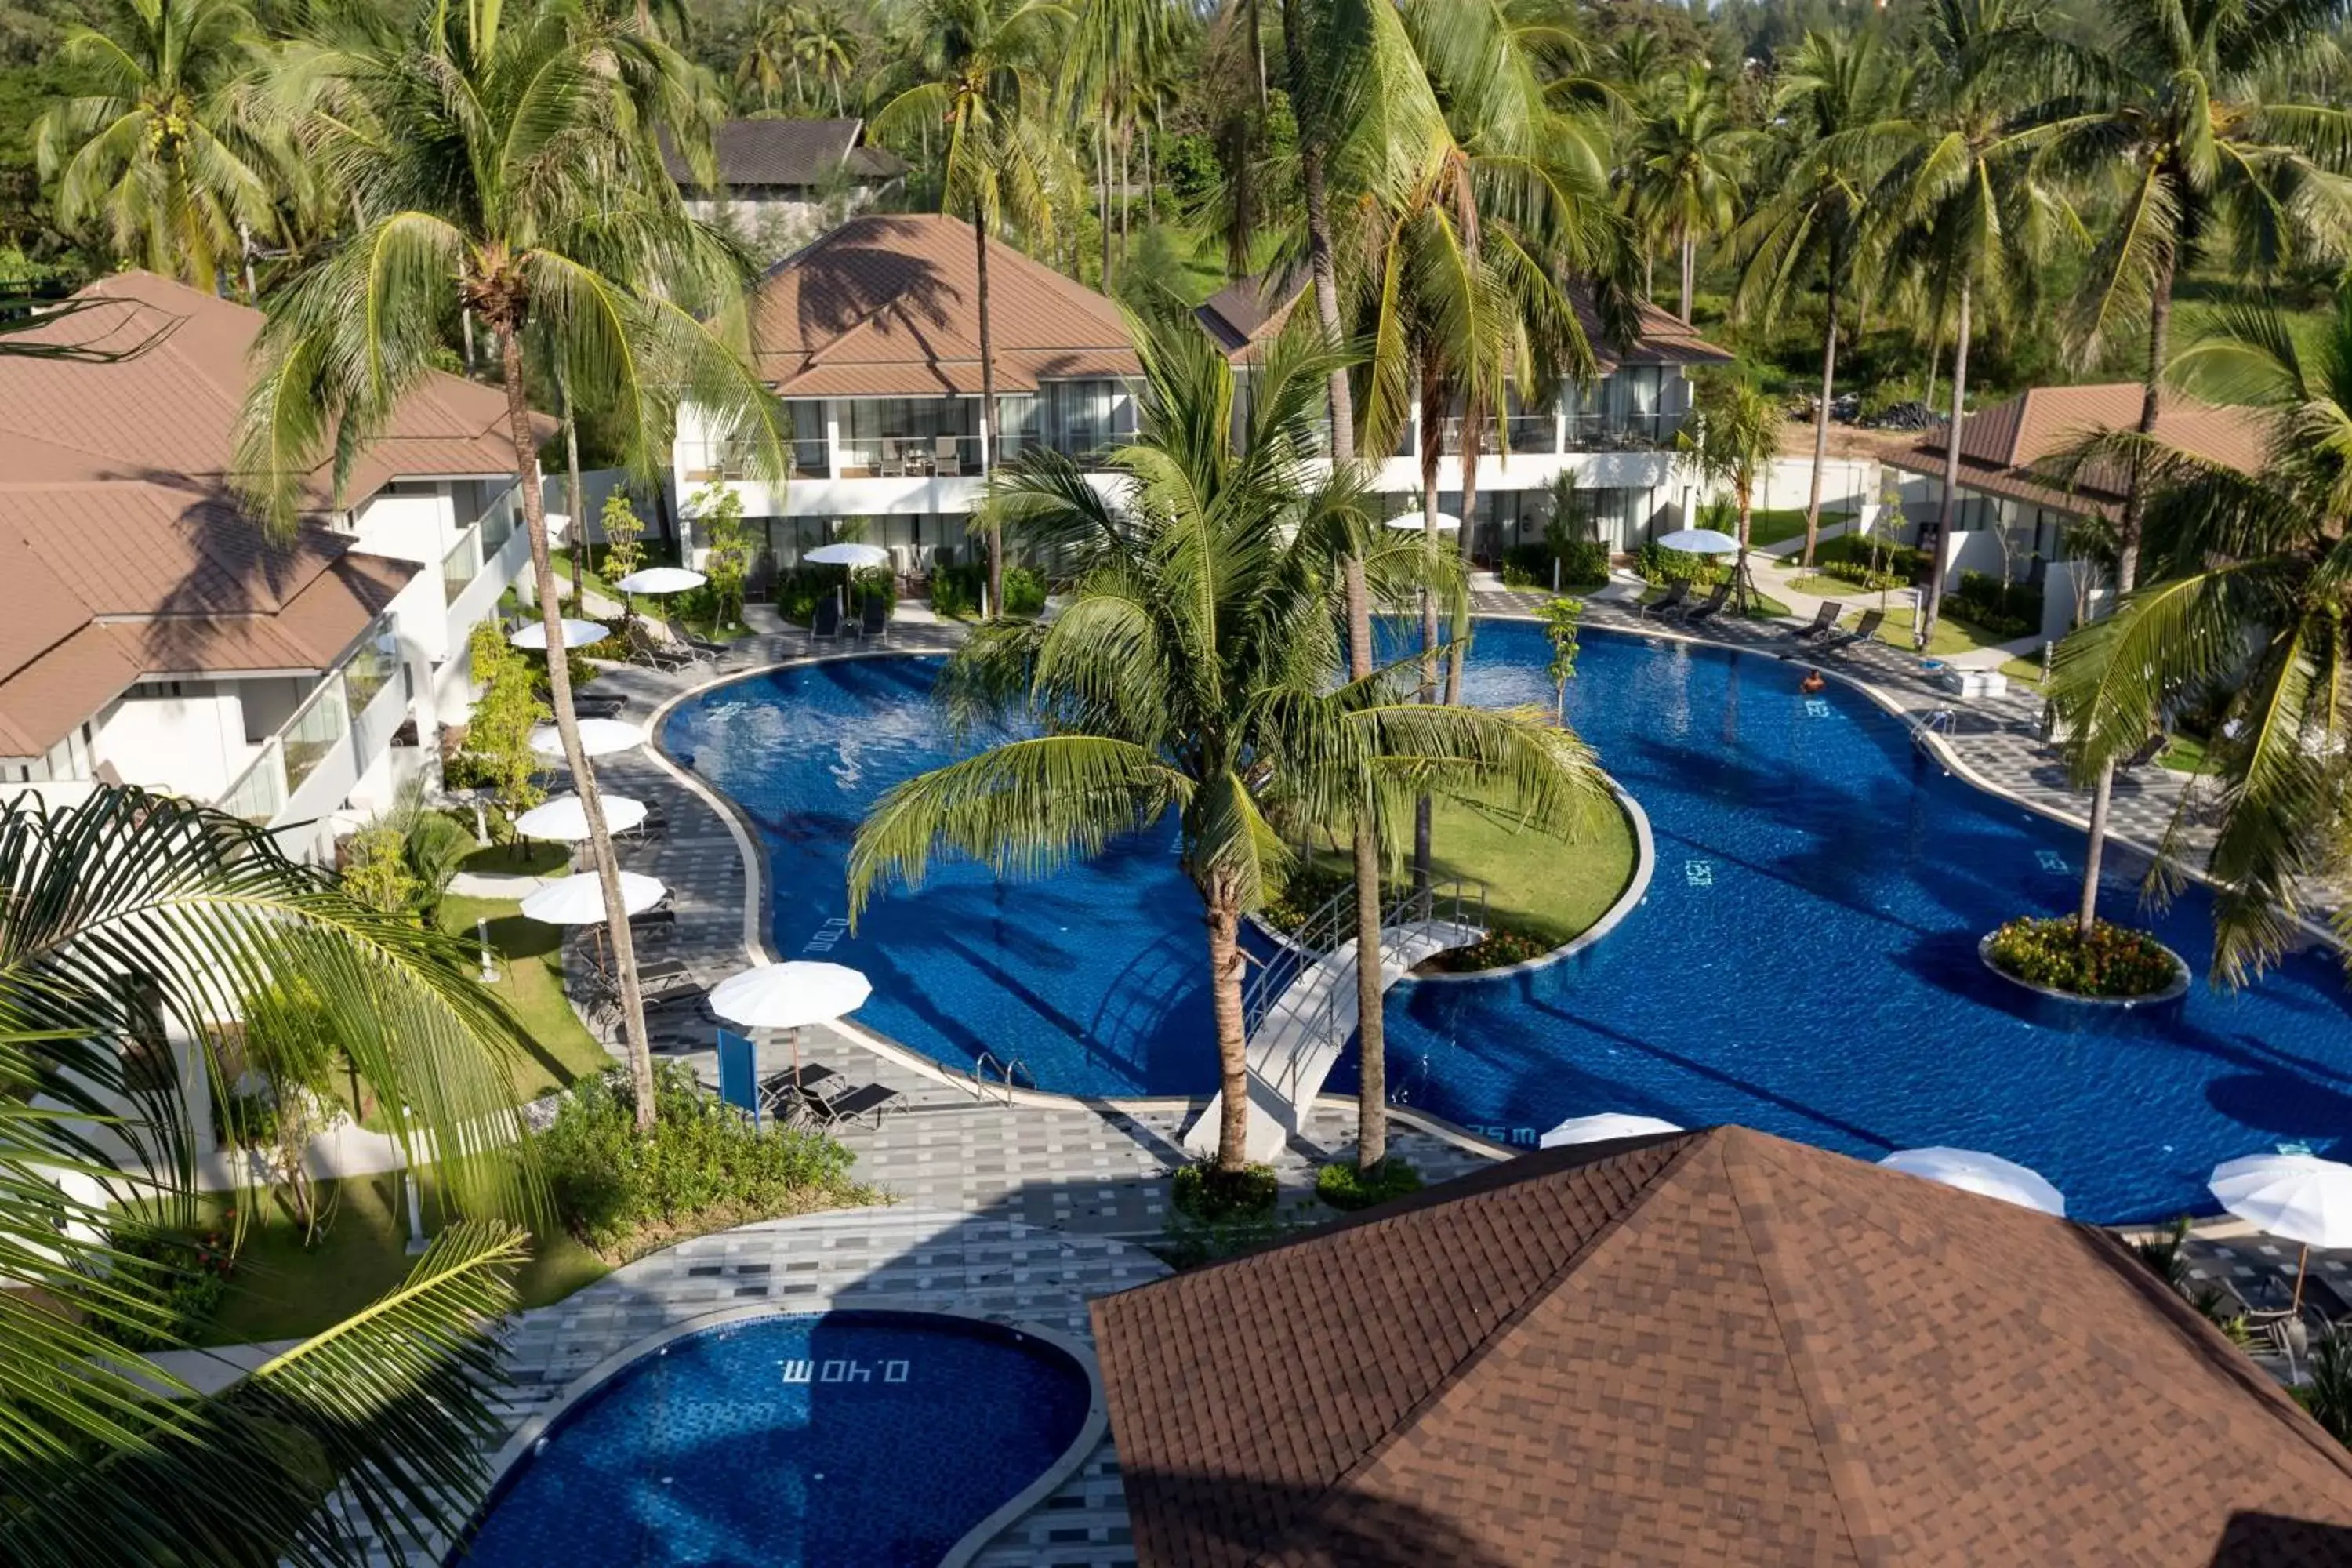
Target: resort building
{"type": "Point", "coordinates": [871, 336]}
{"type": "Point", "coordinates": [160, 638]}
{"type": "Point", "coordinates": [1614, 434]}
{"type": "Point", "coordinates": [781, 183]}
{"type": "Point", "coordinates": [2014, 506]}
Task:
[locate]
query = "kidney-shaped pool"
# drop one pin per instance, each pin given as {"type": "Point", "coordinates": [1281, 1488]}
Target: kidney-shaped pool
{"type": "Point", "coordinates": [1804, 961]}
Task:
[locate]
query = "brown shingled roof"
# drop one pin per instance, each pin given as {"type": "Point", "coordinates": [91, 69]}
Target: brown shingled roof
{"type": "Point", "coordinates": [888, 307]}
{"type": "Point", "coordinates": [1716, 1347]}
{"type": "Point", "coordinates": [170, 413]}
{"type": "Point", "coordinates": [788, 152]}
{"type": "Point", "coordinates": [2012, 448]}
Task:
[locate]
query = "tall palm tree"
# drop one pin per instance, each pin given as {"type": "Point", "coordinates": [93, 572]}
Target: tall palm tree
{"type": "Point", "coordinates": [1809, 226]}
{"type": "Point", "coordinates": [1732, 443]}
{"type": "Point", "coordinates": [771, 56]}
{"type": "Point", "coordinates": [1684, 169]}
{"type": "Point", "coordinates": [132, 918]}
{"type": "Point", "coordinates": [160, 153]}
{"type": "Point", "coordinates": [1110, 46]}
{"type": "Point", "coordinates": [986, 72]}
{"type": "Point", "coordinates": [2179, 108]}
{"type": "Point", "coordinates": [1953, 207]}
{"type": "Point", "coordinates": [518, 162]}
{"type": "Point", "coordinates": [2249, 596]}
{"type": "Point", "coordinates": [829, 46]}
{"type": "Point", "coordinates": [1197, 669]}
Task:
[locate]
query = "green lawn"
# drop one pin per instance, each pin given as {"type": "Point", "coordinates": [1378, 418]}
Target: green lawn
{"type": "Point", "coordinates": [1538, 885]}
{"type": "Point", "coordinates": [2025, 672]}
{"type": "Point", "coordinates": [1769, 524]}
{"type": "Point", "coordinates": [2187, 754]}
{"type": "Point", "coordinates": [1950, 636]}
{"type": "Point", "coordinates": [523, 857]}
{"type": "Point", "coordinates": [531, 979]}
{"type": "Point", "coordinates": [280, 1291]}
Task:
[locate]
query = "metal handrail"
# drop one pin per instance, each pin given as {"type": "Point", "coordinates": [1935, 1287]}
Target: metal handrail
{"type": "Point", "coordinates": [1004, 1071]}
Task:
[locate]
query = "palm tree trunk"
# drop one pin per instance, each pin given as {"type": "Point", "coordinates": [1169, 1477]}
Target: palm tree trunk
{"type": "Point", "coordinates": [1126, 196]}
{"type": "Point", "coordinates": [1432, 443]}
{"type": "Point", "coordinates": [1371, 1024]}
{"type": "Point", "coordinates": [1257, 50]}
{"type": "Point", "coordinates": [1690, 274]}
{"type": "Point", "coordinates": [1467, 542]}
{"type": "Point", "coordinates": [2128, 527]}
{"type": "Point", "coordinates": [1233, 1040]}
{"type": "Point", "coordinates": [1102, 192]}
{"type": "Point", "coordinates": [579, 533]}
{"type": "Point", "coordinates": [989, 423]}
{"type": "Point", "coordinates": [1822, 425]}
{"type": "Point", "coordinates": [567, 727]}
{"type": "Point", "coordinates": [1944, 503]}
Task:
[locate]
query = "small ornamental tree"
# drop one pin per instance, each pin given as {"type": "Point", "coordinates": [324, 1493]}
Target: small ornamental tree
{"type": "Point", "coordinates": [505, 714]}
{"type": "Point", "coordinates": [728, 558]}
{"type": "Point", "coordinates": [377, 874]}
{"type": "Point", "coordinates": [625, 533]}
{"type": "Point", "coordinates": [1560, 619]}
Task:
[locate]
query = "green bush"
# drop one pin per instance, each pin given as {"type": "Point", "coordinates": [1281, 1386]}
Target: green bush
{"type": "Point", "coordinates": [956, 589]}
{"type": "Point", "coordinates": [1660, 566]}
{"type": "Point", "coordinates": [1582, 562]}
{"type": "Point", "coordinates": [1344, 1187]}
{"type": "Point", "coordinates": [185, 1279]}
{"type": "Point", "coordinates": [1501, 946]}
{"type": "Point", "coordinates": [2003, 610]}
{"type": "Point", "coordinates": [1210, 1195]}
{"type": "Point", "coordinates": [704, 1167]}
{"type": "Point", "coordinates": [1850, 556]}
{"type": "Point", "coordinates": [2116, 962]}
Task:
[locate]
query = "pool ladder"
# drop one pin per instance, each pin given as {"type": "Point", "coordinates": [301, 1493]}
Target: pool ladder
{"type": "Point", "coordinates": [1004, 1075]}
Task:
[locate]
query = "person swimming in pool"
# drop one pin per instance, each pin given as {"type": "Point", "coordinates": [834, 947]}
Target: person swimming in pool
{"type": "Point", "coordinates": [1813, 684]}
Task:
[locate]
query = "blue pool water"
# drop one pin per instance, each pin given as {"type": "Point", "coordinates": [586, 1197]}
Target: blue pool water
{"type": "Point", "coordinates": [1804, 961]}
{"type": "Point", "coordinates": [865, 1437]}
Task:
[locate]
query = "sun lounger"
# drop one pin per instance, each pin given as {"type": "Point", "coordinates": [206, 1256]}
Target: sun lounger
{"type": "Point", "coordinates": [864, 1106]}
{"type": "Point", "coordinates": [785, 1095]}
{"type": "Point", "coordinates": [874, 621]}
{"type": "Point", "coordinates": [1712, 605]}
{"type": "Point", "coordinates": [1825, 619]}
{"type": "Point", "coordinates": [2150, 750]}
{"type": "Point", "coordinates": [828, 619]}
{"type": "Point", "coordinates": [1672, 601]}
{"type": "Point", "coordinates": [1863, 631]}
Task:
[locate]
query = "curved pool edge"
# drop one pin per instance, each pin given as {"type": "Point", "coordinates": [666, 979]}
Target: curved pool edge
{"type": "Point", "coordinates": [1091, 1432]}
{"type": "Point", "coordinates": [759, 950]}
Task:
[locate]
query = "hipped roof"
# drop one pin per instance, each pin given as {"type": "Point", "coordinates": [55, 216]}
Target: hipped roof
{"type": "Point", "coordinates": [788, 152]}
{"type": "Point", "coordinates": [2014, 448]}
{"type": "Point", "coordinates": [889, 307]}
{"type": "Point", "coordinates": [1716, 1347]}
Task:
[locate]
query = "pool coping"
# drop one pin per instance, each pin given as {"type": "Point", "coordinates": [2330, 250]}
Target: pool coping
{"type": "Point", "coordinates": [528, 1432]}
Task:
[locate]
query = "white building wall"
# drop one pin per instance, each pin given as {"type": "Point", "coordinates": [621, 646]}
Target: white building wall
{"type": "Point", "coordinates": [192, 744]}
{"type": "Point", "coordinates": [419, 527]}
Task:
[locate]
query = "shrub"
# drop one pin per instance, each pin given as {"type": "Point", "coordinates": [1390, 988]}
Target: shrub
{"type": "Point", "coordinates": [1582, 562]}
{"type": "Point", "coordinates": [187, 1277]}
{"type": "Point", "coordinates": [704, 1166]}
{"type": "Point", "coordinates": [956, 589]}
{"type": "Point", "coordinates": [2002, 609]}
{"type": "Point", "coordinates": [2116, 962]}
{"type": "Point", "coordinates": [1210, 1195]}
{"type": "Point", "coordinates": [1501, 946]}
{"type": "Point", "coordinates": [1660, 566]}
{"type": "Point", "coordinates": [1854, 557]}
{"type": "Point", "coordinates": [1345, 1188]}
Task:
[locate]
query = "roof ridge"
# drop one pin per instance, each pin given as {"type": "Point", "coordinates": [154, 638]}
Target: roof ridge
{"type": "Point", "coordinates": [1505, 1327]}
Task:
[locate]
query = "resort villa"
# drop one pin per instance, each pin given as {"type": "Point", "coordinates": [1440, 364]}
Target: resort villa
{"type": "Point", "coordinates": [159, 638]}
{"type": "Point", "coordinates": [779, 183]}
{"type": "Point", "coordinates": [2015, 504]}
{"type": "Point", "coordinates": [871, 336]}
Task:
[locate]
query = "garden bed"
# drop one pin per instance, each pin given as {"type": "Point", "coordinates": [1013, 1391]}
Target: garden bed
{"type": "Point", "coordinates": [2117, 967]}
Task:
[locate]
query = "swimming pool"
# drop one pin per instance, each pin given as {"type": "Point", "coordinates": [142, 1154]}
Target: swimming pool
{"type": "Point", "coordinates": [1804, 960]}
{"type": "Point", "coordinates": [848, 1436]}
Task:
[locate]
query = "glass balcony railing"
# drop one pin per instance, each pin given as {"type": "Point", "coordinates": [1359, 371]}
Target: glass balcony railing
{"type": "Point", "coordinates": [460, 565]}
{"type": "Point", "coordinates": [313, 734]}
{"type": "Point", "coordinates": [702, 462]}
{"type": "Point", "coordinates": [910, 457]}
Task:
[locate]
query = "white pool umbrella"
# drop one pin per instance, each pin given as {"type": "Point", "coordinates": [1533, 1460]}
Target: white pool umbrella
{"type": "Point", "coordinates": [1988, 1175]}
{"type": "Point", "coordinates": [1698, 542]}
{"type": "Point", "coordinates": [1411, 522]}
{"type": "Point", "coordinates": [1602, 1128]}
{"type": "Point", "coordinates": [578, 899]}
{"type": "Point", "coordinates": [576, 634]}
{"type": "Point", "coordinates": [787, 995]}
{"type": "Point", "coordinates": [2301, 1197]}
{"type": "Point", "coordinates": [848, 552]}
{"type": "Point", "coordinates": [598, 737]}
{"type": "Point", "coordinates": [565, 820]}
{"type": "Point", "coordinates": [660, 580]}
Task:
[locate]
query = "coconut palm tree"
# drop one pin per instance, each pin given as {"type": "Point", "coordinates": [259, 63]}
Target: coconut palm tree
{"type": "Point", "coordinates": [2248, 596]}
{"type": "Point", "coordinates": [771, 56]}
{"type": "Point", "coordinates": [1111, 46]}
{"type": "Point", "coordinates": [2179, 108]}
{"type": "Point", "coordinates": [829, 47]}
{"type": "Point", "coordinates": [1809, 228]}
{"type": "Point", "coordinates": [1731, 444]}
{"type": "Point", "coordinates": [1684, 170]}
{"type": "Point", "coordinates": [1952, 208]}
{"type": "Point", "coordinates": [160, 153]}
{"type": "Point", "coordinates": [129, 919]}
{"type": "Point", "coordinates": [986, 72]}
{"type": "Point", "coordinates": [1197, 669]}
{"type": "Point", "coordinates": [519, 163]}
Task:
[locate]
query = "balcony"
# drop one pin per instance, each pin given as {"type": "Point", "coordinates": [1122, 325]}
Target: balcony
{"type": "Point", "coordinates": [910, 457]}
{"type": "Point", "coordinates": [708, 462]}
{"type": "Point", "coordinates": [317, 755]}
